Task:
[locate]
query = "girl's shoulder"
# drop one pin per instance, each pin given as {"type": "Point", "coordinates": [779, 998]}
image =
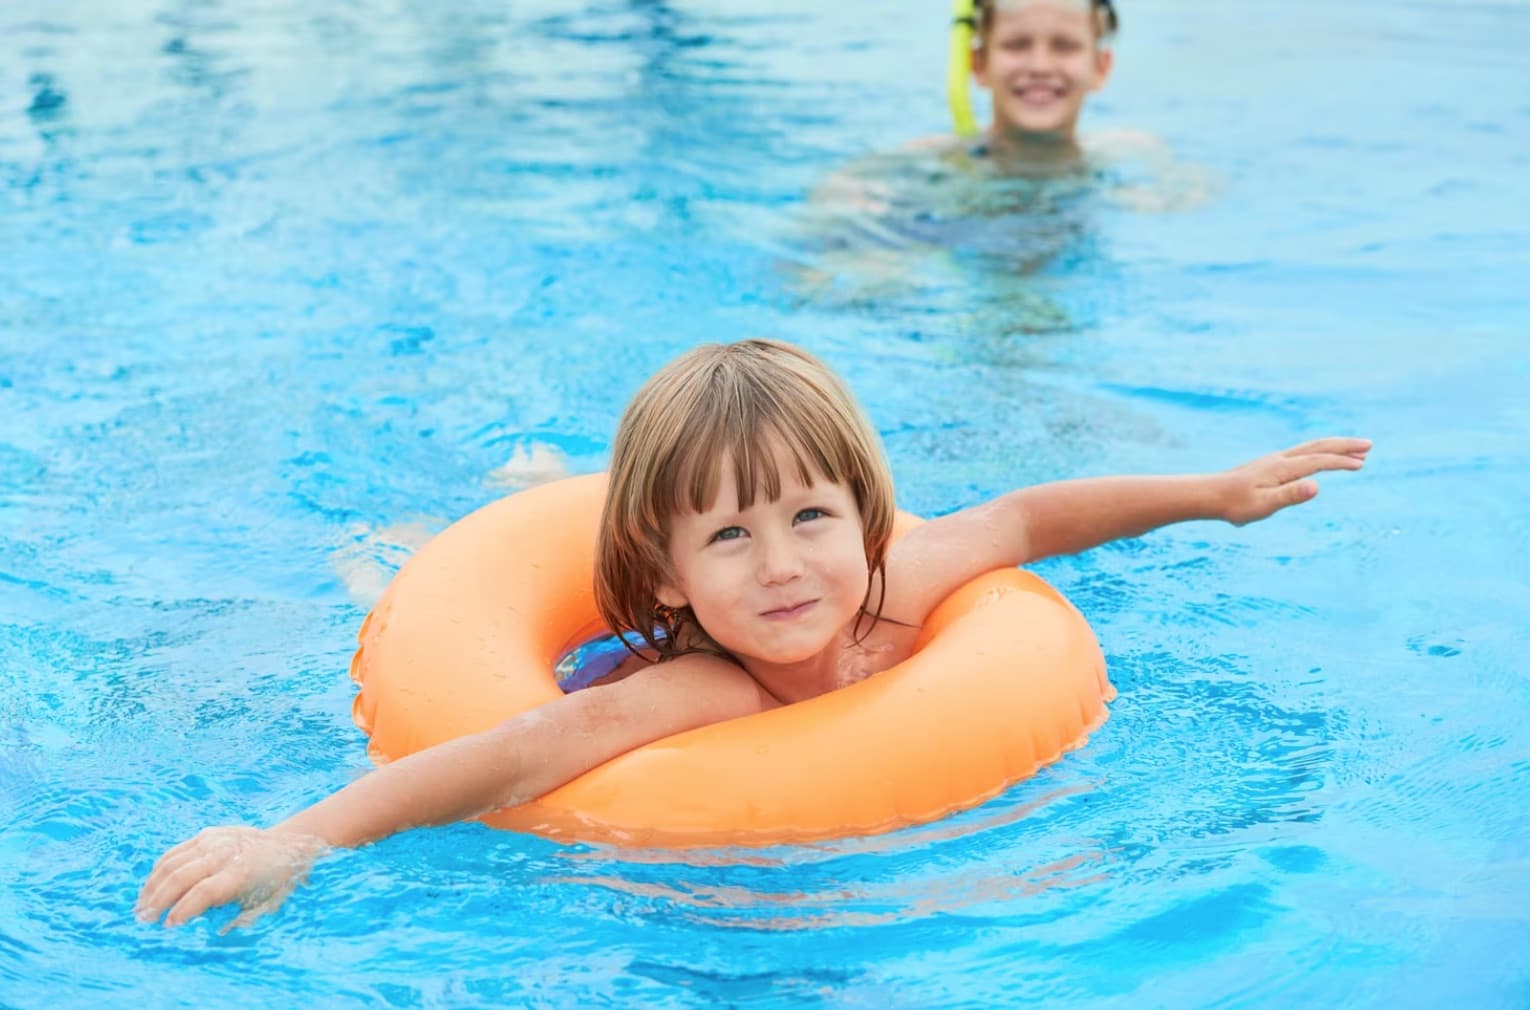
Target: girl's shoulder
{"type": "Point", "coordinates": [685, 691]}
{"type": "Point", "coordinates": [654, 701]}
{"type": "Point", "coordinates": [936, 558]}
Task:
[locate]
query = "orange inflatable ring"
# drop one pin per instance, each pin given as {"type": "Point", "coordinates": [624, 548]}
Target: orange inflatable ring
{"type": "Point", "coordinates": [1006, 677]}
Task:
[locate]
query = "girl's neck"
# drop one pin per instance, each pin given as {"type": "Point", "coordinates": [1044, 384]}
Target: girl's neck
{"type": "Point", "coordinates": [794, 682]}
{"type": "Point", "coordinates": [841, 664]}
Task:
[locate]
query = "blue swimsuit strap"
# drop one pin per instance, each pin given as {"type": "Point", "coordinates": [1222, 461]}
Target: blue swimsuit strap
{"type": "Point", "coordinates": [593, 660]}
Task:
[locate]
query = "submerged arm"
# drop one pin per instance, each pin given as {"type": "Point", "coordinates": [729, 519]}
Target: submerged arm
{"type": "Point", "coordinates": [516, 761]}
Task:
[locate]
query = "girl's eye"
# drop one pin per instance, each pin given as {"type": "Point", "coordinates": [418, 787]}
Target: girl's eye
{"type": "Point", "coordinates": [809, 514]}
{"type": "Point", "coordinates": [727, 533]}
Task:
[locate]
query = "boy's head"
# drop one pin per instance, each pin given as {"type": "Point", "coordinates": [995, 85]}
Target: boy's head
{"type": "Point", "coordinates": [1041, 59]}
{"type": "Point", "coordinates": [728, 405]}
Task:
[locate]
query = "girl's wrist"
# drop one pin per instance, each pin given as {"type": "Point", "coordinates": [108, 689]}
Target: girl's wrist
{"type": "Point", "coordinates": [301, 826]}
{"type": "Point", "coordinates": [1216, 494]}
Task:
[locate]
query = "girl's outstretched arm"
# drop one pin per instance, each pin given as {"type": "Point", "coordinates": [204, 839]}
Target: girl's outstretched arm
{"type": "Point", "coordinates": [1070, 516]}
{"type": "Point", "coordinates": [516, 761]}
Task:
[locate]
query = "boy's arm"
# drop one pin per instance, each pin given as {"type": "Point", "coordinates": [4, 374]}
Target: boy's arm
{"type": "Point", "coordinates": [1072, 516]}
{"type": "Point", "coordinates": [516, 761]}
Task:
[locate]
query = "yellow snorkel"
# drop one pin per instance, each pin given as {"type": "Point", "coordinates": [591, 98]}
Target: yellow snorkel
{"type": "Point", "coordinates": [959, 66]}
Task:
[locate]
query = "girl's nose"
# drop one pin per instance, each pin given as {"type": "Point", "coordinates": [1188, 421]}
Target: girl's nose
{"type": "Point", "coordinates": [779, 561]}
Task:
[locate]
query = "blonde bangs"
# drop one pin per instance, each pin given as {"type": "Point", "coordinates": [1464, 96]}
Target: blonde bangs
{"type": "Point", "coordinates": [746, 443]}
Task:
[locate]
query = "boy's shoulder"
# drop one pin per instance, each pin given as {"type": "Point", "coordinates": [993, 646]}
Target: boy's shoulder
{"type": "Point", "coordinates": [1148, 176]}
{"type": "Point", "coordinates": [1124, 142]}
{"type": "Point", "coordinates": [940, 142]}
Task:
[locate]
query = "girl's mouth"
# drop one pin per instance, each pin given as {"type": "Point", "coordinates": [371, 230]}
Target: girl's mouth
{"type": "Point", "coordinates": [789, 612]}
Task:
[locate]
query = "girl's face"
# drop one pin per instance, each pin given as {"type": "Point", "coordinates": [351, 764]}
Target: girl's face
{"type": "Point", "coordinates": [775, 584]}
{"type": "Point", "coordinates": [1040, 60]}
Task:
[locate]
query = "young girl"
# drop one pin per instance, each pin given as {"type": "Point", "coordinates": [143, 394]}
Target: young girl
{"type": "Point", "coordinates": [745, 540]}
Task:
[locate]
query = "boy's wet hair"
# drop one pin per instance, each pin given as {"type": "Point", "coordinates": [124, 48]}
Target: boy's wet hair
{"type": "Point", "coordinates": [1106, 20]}
{"type": "Point", "coordinates": [715, 405]}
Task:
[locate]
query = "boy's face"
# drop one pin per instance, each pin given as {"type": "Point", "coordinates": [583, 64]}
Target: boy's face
{"type": "Point", "coordinates": [1040, 59]}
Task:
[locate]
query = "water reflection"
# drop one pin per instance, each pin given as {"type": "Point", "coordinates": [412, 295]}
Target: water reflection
{"type": "Point", "coordinates": [959, 864]}
{"type": "Point", "coordinates": [861, 904]}
{"type": "Point", "coordinates": [1001, 812]}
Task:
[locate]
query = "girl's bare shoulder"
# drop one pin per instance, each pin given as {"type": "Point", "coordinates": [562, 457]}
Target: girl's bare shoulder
{"type": "Point", "coordinates": [641, 700]}
{"type": "Point", "coordinates": [936, 558]}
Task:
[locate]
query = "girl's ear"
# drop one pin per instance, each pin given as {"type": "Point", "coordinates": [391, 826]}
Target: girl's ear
{"type": "Point", "coordinates": [980, 65]}
{"type": "Point", "coordinates": [1104, 60]}
{"type": "Point", "coordinates": [669, 596]}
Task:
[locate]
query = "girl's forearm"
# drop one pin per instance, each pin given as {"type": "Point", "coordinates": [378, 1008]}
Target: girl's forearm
{"type": "Point", "coordinates": [452, 781]}
{"type": "Point", "coordinates": [1067, 517]}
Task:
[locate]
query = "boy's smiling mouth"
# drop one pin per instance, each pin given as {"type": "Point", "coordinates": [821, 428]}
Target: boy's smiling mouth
{"type": "Point", "coordinates": [1038, 94]}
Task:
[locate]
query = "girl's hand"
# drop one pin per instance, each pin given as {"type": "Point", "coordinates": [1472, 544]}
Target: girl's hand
{"type": "Point", "coordinates": [257, 868]}
{"type": "Point", "coordinates": [1259, 489]}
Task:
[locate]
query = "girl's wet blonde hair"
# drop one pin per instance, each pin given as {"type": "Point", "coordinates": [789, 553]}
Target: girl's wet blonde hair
{"type": "Point", "coordinates": [725, 403]}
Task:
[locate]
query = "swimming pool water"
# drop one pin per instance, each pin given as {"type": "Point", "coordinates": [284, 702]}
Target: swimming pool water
{"type": "Point", "coordinates": [282, 290]}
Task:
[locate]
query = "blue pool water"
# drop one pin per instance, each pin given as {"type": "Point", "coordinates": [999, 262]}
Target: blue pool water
{"type": "Point", "coordinates": [285, 288]}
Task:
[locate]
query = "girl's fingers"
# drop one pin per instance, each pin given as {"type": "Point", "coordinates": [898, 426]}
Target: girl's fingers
{"type": "Point", "coordinates": [166, 888]}
{"type": "Point", "coordinates": [1305, 466]}
{"type": "Point", "coordinates": [1302, 490]}
{"type": "Point", "coordinates": [246, 916]}
{"type": "Point", "coordinates": [1291, 468]}
{"type": "Point", "coordinates": [255, 910]}
{"type": "Point", "coordinates": [195, 850]}
{"type": "Point", "coordinates": [1281, 497]}
{"type": "Point", "coordinates": [188, 849]}
{"type": "Point", "coordinates": [1342, 445]}
{"type": "Point", "coordinates": [218, 889]}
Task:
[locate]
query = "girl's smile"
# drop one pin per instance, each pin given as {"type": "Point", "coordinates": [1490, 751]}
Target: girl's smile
{"type": "Point", "coordinates": [790, 612]}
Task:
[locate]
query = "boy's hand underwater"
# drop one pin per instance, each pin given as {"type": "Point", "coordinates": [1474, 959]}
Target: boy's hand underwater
{"type": "Point", "coordinates": [1259, 489]}
{"type": "Point", "coordinates": [257, 868]}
